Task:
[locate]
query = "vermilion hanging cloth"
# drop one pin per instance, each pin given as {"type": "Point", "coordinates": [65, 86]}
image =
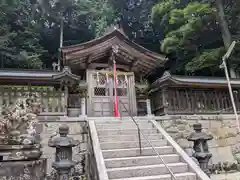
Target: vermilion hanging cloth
{"type": "Point", "coordinates": [116, 111]}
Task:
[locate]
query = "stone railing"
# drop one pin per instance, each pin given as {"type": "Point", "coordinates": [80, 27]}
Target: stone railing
{"type": "Point", "coordinates": [95, 163]}
{"type": "Point", "coordinates": [52, 100]}
{"type": "Point", "coordinates": [192, 165]}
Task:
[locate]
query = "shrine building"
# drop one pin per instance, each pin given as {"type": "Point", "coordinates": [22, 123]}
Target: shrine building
{"type": "Point", "coordinates": [84, 84]}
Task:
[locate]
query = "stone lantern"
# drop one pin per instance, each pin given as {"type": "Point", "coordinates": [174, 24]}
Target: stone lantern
{"type": "Point", "coordinates": [143, 100]}
{"type": "Point", "coordinates": [63, 157]}
{"type": "Point", "coordinates": [200, 147]}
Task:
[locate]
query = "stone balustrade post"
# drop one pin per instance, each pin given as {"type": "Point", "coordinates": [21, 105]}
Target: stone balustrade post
{"type": "Point", "coordinates": [200, 147]}
{"type": "Point", "coordinates": [63, 157]}
{"type": "Point", "coordinates": [83, 106]}
{"type": "Point", "coordinates": [149, 109]}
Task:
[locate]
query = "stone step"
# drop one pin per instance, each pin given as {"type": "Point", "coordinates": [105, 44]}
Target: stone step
{"type": "Point", "coordinates": [122, 122]}
{"type": "Point", "coordinates": [124, 126]}
{"type": "Point", "coordinates": [131, 144]}
{"type": "Point", "coordinates": [149, 170]}
{"type": "Point", "coordinates": [129, 137]}
{"type": "Point", "coordinates": [112, 132]}
{"type": "Point", "coordinates": [123, 119]}
{"type": "Point", "coordinates": [140, 161]}
{"type": "Point", "coordinates": [179, 176]}
{"type": "Point", "coordinates": [131, 152]}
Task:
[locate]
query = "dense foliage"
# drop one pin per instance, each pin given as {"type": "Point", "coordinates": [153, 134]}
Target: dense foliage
{"type": "Point", "coordinates": [194, 34]}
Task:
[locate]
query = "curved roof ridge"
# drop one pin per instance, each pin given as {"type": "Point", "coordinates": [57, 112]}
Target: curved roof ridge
{"type": "Point", "coordinates": [97, 39]}
{"type": "Point", "coordinates": [145, 59]}
{"type": "Point", "coordinates": [114, 33]}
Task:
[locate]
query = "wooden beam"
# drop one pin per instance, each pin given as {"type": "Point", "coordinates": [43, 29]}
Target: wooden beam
{"type": "Point", "coordinates": [148, 61]}
{"type": "Point", "coordinates": [93, 57]}
{"type": "Point", "coordinates": [134, 63]}
{"type": "Point", "coordinates": [88, 61]}
{"type": "Point", "coordinates": [103, 65]}
{"type": "Point", "coordinates": [96, 49]}
{"type": "Point", "coordinates": [77, 60]}
{"type": "Point", "coordinates": [110, 58]}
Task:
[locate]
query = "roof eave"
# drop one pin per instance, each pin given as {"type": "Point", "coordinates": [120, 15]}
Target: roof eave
{"type": "Point", "coordinates": [118, 34]}
{"type": "Point", "coordinates": [177, 82]}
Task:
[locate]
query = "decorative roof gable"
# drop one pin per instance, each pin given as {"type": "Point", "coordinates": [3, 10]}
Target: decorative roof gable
{"type": "Point", "coordinates": [137, 57]}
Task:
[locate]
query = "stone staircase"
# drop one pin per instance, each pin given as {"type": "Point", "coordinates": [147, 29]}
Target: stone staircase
{"type": "Point", "coordinates": [119, 145]}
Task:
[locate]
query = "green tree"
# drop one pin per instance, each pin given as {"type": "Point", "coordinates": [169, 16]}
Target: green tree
{"type": "Point", "coordinates": [192, 37]}
{"type": "Point", "coordinates": [83, 20]}
{"type": "Point", "coordinates": [19, 44]}
{"type": "Point", "coordinates": [229, 20]}
{"type": "Point", "coordinates": [134, 17]}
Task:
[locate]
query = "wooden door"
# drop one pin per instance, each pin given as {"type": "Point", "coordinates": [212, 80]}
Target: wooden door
{"type": "Point", "coordinates": [101, 94]}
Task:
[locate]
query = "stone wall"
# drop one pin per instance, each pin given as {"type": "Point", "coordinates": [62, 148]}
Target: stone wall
{"type": "Point", "coordinates": [225, 146]}
{"type": "Point", "coordinates": [49, 126]}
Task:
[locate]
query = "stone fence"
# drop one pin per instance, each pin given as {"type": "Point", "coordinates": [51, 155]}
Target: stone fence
{"type": "Point", "coordinates": [52, 100]}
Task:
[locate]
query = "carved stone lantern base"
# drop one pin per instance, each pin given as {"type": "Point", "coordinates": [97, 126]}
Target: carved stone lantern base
{"type": "Point", "coordinates": [20, 152]}
{"type": "Point", "coordinates": [203, 159]}
{"type": "Point", "coordinates": [64, 165]}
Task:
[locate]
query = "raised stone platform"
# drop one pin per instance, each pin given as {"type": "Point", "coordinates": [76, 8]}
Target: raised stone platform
{"type": "Point", "coordinates": [23, 170]}
{"type": "Point", "coordinates": [225, 147]}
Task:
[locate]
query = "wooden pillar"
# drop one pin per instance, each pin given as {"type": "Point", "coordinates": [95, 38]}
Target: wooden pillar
{"type": "Point", "coordinates": [90, 90]}
{"type": "Point", "coordinates": [53, 104]}
{"type": "Point", "coordinates": [41, 98]}
{"type": "Point", "coordinates": [66, 99]}
{"type": "Point", "coordinates": [165, 100]}
{"type": "Point", "coordinates": [1, 100]}
{"type": "Point", "coordinates": [133, 97]}
{"type": "Point", "coordinates": [59, 109]}
{"type": "Point", "coordinates": [47, 100]}
{"type": "Point", "coordinates": [218, 108]}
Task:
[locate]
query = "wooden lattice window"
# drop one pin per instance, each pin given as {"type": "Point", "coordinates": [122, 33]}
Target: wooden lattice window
{"type": "Point", "coordinates": [100, 91]}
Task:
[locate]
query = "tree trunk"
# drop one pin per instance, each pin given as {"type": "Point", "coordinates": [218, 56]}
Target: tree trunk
{"type": "Point", "coordinates": [226, 35]}
{"type": "Point", "coordinates": [61, 43]}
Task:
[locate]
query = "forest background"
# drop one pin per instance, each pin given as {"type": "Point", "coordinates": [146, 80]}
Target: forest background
{"type": "Point", "coordinates": [194, 34]}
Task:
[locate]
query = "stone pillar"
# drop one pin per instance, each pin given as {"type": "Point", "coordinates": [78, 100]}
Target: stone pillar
{"type": "Point", "coordinates": [200, 147]}
{"type": "Point", "coordinates": [83, 106]}
{"type": "Point", "coordinates": [63, 157]}
{"type": "Point", "coordinates": [83, 95]}
{"type": "Point", "coordinates": [84, 147]}
{"type": "Point", "coordinates": [149, 109]}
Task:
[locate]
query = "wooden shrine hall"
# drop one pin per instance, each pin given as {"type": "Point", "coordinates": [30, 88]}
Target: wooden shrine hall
{"type": "Point", "coordinates": [94, 61]}
{"type": "Point", "coordinates": [83, 83]}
